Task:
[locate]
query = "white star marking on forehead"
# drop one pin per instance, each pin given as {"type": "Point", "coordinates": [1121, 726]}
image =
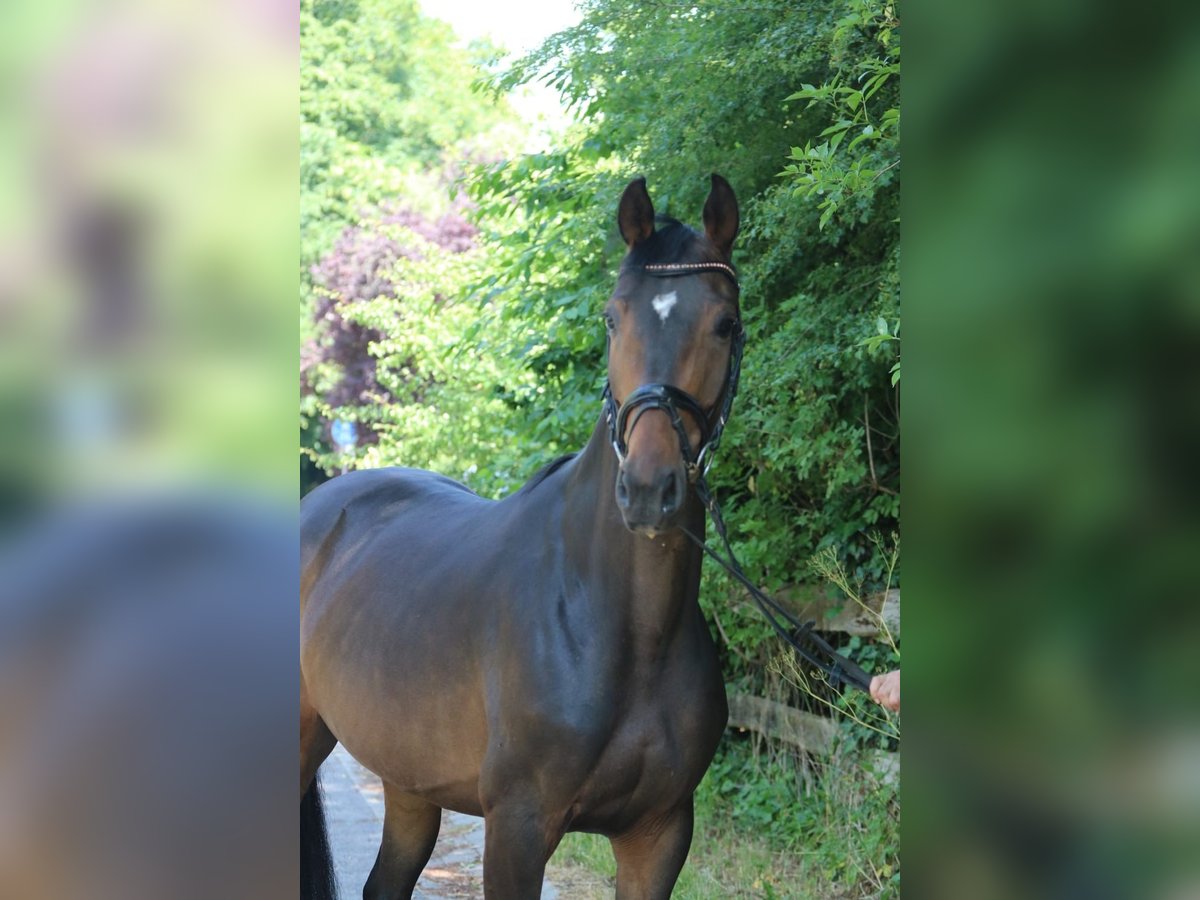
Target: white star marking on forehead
{"type": "Point", "coordinates": [663, 304]}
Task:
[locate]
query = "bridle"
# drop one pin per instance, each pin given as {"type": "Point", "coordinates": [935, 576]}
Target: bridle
{"type": "Point", "coordinates": [670, 399]}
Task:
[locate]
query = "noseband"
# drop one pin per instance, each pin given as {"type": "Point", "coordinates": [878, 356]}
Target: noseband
{"type": "Point", "coordinates": [671, 399]}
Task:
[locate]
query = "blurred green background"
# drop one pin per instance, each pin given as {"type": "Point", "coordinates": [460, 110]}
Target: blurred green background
{"type": "Point", "coordinates": [148, 558]}
{"type": "Point", "coordinates": [148, 280]}
{"type": "Point", "coordinates": [1052, 299]}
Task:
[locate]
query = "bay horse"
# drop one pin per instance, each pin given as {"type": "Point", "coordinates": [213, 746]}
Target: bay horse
{"type": "Point", "coordinates": [540, 660]}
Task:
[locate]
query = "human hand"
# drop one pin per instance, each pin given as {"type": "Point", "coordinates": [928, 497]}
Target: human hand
{"type": "Point", "coordinates": [885, 690]}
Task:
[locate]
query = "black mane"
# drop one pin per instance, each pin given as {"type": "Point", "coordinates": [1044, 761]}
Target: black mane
{"type": "Point", "coordinates": [545, 472]}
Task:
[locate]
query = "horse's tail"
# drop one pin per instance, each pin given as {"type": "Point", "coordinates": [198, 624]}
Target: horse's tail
{"type": "Point", "coordinates": [316, 861]}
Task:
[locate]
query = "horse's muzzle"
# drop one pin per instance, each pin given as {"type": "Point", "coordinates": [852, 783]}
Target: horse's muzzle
{"type": "Point", "coordinates": [649, 504]}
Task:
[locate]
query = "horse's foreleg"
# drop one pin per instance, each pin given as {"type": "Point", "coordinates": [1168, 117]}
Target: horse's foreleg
{"type": "Point", "coordinates": [518, 841]}
{"type": "Point", "coordinates": [651, 855]}
{"type": "Point", "coordinates": [410, 829]}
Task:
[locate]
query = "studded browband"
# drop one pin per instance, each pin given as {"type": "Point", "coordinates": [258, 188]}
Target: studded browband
{"type": "Point", "coordinates": [667, 269]}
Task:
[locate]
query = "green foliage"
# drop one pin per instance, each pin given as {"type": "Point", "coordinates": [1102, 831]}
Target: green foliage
{"type": "Point", "coordinates": [840, 815]}
{"type": "Point", "coordinates": [445, 386]}
{"type": "Point", "coordinates": [550, 273]}
{"type": "Point", "coordinates": [386, 102]}
{"type": "Point", "coordinates": [863, 97]}
{"type": "Point", "coordinates": [886, 333]}
{"type": "Point", "coordinates": [387, 111]}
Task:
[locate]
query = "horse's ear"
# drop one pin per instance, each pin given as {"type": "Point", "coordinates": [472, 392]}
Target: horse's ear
{"type": "Point", "coordinates": [721, 215]}
{"type": "Point", "coordinates": [635, 213]}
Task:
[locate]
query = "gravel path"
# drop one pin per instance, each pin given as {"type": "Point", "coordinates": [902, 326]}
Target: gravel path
{"type": "Point", "coordinates": [353, 800]}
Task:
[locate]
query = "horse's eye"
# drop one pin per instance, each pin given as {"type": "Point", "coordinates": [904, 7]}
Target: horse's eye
{"type": "Point", "coordinates": [726, 327]}
{"type": "Point", "coordinates": [609, 324]}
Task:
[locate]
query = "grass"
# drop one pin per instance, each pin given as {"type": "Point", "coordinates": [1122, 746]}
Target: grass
{"type": "Point", "coordinates": [719, 866]}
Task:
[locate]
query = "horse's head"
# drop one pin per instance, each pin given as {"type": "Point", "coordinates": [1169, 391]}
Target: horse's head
{"type": "Point", "coordinates": [674, 349]}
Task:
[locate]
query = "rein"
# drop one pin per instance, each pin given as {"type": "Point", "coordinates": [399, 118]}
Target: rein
{"type": "Point", "coordinates": [668, 398]}
{"type": "Point", "coordinates": [799, 636]}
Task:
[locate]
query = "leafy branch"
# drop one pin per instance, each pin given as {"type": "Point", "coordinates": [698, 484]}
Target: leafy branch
{"type": "Point", "coordinates": [858, 148]}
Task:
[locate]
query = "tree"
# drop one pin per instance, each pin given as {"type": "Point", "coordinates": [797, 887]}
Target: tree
{"type": "Point", "coordinates": [388, 117]}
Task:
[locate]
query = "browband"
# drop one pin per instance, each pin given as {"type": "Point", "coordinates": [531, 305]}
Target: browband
{"type": "Point", "coordinates": [666, 270]}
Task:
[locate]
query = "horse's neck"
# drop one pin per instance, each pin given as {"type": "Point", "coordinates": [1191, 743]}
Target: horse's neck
{"type": "Point", "coordinates": [651, 581]}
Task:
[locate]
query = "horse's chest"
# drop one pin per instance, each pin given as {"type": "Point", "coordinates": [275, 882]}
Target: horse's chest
{"type": "Point", "coordinates": [656, 756]}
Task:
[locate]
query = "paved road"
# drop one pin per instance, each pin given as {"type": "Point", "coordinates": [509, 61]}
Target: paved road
{"type": "Point", "coordinates": [353, 800]}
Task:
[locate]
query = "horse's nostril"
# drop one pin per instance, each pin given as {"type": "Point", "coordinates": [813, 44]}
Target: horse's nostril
{"type": "Point", "coordinates": [622, 491]}
{"type": "Point", "coordinates": [670, 495]}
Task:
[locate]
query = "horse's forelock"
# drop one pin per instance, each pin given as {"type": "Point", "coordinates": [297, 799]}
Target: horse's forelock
{"type": "Point", "coordinates": [672, 242]}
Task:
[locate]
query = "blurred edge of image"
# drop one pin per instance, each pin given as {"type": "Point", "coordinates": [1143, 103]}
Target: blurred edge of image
{"type": "Point", "coordinates": [148, 273]}
{"type": "Point", "coordinates": [1051, 286]}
